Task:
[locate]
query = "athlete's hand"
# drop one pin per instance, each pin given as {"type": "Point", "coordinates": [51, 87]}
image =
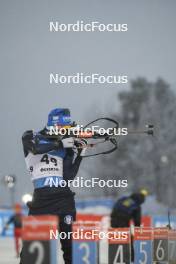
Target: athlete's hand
{"type": "Point", "coordinates": [68, 142]}
{"type": "Point", "coordinates": [82, 147]}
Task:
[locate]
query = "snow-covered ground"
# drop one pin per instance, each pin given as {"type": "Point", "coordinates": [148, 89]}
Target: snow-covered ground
{"type": "Point", "coordinates": [7, 251]}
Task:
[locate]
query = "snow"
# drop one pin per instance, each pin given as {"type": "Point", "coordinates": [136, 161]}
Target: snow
{"type": "Point", "coordinates": [7, 251]}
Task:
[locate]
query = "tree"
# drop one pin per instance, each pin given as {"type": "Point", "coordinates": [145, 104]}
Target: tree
{"type": "Point", "coordinates": [145, 161]}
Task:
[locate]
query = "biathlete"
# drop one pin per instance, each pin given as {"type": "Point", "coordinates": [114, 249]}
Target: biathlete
{"type": "Point", "coordinates": [127, 209]}
{"type": "Point", "coordinates": [16, 220]}
{"type": "Point", "coordinates": [50, 161]}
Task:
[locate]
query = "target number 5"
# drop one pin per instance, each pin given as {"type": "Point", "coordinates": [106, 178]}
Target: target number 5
{"type": "Point", "coordinates": [143, 251]}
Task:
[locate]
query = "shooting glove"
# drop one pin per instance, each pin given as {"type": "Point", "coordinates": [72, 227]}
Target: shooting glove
{"type": "Point", "coordinates": [68, 142]}
{"type": "Point", "coordinates": [82, 147]}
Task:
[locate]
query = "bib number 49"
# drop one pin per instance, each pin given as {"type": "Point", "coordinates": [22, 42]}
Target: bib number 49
{"type": "Point", "coordinates": [48, 159]}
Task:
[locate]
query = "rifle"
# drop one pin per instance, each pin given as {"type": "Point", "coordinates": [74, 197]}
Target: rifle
{"type": "Point", "coordinates": [88, 134]}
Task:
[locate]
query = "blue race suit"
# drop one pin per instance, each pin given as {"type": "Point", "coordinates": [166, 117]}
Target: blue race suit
{"type": "Point", "coordinates": [49, 164]}
{"type": "Point", "coordinates": [127, 208]}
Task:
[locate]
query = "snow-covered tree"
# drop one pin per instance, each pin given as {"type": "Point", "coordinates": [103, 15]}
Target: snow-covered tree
{"type": "Point", "coordinates": [144, 160]}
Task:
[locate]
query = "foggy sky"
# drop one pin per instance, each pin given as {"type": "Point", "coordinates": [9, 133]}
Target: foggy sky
{"type": "Point", "coordinates": [29, 53]}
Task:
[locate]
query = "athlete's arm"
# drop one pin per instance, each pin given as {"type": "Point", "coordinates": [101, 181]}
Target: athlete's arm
{"type": "Point", "coordinates": [10, 221]}
{"type": "Point", "coordinates": [38, 144]}
{"type": "Point", "coordinates": [71, 166]}
{"type": "Point", "coordinates": [137, 216]}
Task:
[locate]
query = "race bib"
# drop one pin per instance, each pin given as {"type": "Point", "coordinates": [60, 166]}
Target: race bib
{"type": "Point", "coordinates": [44, 165]}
